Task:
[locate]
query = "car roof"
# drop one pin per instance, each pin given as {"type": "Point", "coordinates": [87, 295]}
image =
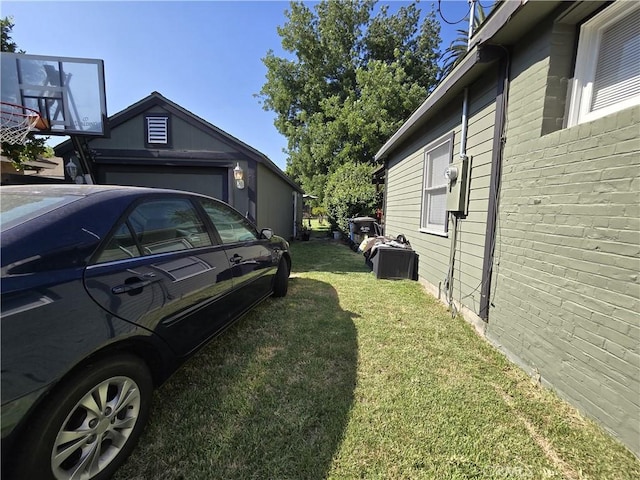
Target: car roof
{"type": "Point", "coordinates": [77, 208]}
{"type": "Point", "coordinates": [81, 190]}
{"type": "Point", "coordinates": [79, 195]}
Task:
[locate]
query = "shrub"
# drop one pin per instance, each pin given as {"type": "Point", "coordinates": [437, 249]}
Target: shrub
{"type": "Point", "coordinates": [350, 193]}
{"type": "Point", "coordinates": [318, 211]}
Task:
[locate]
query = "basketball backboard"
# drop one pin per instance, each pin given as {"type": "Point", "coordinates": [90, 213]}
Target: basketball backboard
{"type": "Point", "coordinates": [69, 93]}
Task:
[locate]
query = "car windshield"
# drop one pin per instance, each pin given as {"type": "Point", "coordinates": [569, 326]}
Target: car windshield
{"type": "Point", "coordinates": [19, 207]}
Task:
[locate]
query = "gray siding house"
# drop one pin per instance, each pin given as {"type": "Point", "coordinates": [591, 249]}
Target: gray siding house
{"type": "Point", "coordinates": [534, 236]}
{"type": "Point", "coordinates": [157, 143]}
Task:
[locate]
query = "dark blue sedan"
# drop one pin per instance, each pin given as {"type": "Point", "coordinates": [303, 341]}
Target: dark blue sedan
{"type": "Point", "coordinates": [105, 291]}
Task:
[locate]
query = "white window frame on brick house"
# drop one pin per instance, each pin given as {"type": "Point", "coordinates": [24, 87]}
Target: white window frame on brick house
{"type": "Point", "coordinates": [607, 72]}
{"type": "Point", "coordinates": [433, 214]}
{"type": "Point", "coordinates": [157, 130]}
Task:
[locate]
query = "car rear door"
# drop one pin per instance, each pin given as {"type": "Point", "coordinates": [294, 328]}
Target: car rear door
{"type": "Point", "coordinates": [162, 270]}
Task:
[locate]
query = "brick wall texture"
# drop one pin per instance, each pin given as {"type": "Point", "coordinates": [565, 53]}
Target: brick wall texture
{"type": "Point", "coordinates": [566, 292]}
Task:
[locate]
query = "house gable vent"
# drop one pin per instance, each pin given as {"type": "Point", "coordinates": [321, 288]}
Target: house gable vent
{"type": "Point", "coordinates": [157, 131]}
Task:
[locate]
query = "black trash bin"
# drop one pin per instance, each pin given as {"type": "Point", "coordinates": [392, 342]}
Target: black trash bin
{"type": "Point", "coordinates": [361, 227]}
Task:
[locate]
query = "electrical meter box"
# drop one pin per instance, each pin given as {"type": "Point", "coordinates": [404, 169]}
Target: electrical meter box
{"type": "Point", "coordinates": [457, 175]}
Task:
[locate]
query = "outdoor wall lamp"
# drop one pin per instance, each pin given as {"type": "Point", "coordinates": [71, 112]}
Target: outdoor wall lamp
{"type": "Point", "coordinates": [72, 170]}
{"type": "Point", "coordinates": [238, 174]}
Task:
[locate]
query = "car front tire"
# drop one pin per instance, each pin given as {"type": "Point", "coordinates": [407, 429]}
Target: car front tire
{"type": "Point", "coordinates": [90, 424]}
{"type": "Point", "coordinates": [281, 281]}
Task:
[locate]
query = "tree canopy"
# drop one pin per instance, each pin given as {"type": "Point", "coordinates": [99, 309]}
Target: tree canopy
{"type": "Point", "coordinates": [351, 79]}
{"type": "Point", "coordinates": [7, 44]}
{"type": "Point", "coordinates": [351, 193]}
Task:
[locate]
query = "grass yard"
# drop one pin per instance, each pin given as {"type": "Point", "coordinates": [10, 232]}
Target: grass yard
{"type": "Point", "coordinates": [318, 229]}
{"type": "Point", "coordinates": [349, 377]}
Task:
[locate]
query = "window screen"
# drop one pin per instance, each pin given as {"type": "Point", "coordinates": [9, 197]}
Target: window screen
{"type": "Point", "coordinates": [607, 72]}
{"type": "Point", "coordinates": [618, 69]}
{"type": "Point", "coordinates": [437, 158]}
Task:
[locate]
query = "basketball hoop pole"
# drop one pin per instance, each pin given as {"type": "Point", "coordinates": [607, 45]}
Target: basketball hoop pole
{"type": "Point", "coordinates": [85, 162]}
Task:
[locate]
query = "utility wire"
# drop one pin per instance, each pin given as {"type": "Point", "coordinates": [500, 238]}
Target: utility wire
{"type": "Point", "coordinates": [447, 21]}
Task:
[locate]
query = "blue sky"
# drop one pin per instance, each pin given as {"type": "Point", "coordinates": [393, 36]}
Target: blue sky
{"type": "Point", "coordinates": [203, 55]}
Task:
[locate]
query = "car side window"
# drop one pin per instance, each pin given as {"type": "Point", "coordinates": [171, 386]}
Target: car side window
{"type": "Point", "coordinates": [122, 245]}
{"type": "Point", "coordinates": [168, 225]}
{"type": "Point", "coordinates": [157, 226]}
{"type": "Point", "coordinates": [231, 226]}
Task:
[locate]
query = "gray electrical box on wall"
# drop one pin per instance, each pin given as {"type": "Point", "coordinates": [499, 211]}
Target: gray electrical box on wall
{"type": "Point", "coordinates": [457, 175]}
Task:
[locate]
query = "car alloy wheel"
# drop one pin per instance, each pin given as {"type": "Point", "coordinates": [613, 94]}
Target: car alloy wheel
{"type": "Point", "coordinates": [97, 428]}
{"type": "Point", "coordinates": [89, 425]}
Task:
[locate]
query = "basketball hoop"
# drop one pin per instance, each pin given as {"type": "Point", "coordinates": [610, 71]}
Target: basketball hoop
{"type": "Point", "coordinates": [16, 121]}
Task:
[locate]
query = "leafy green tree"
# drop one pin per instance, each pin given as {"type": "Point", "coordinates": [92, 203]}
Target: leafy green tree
{"type": "Point", "coordinates": [6, 43]}
{"type": "Point", "coordinates": [350, 193]}
{"type": "Point", "coordinates": [318, 211]}
{"type": "Point", "coordinates": [350, 81]}
{"type": "Point", "coordinates": [33, 147]}
{"type": "Point", "coordinates": [31, 150]}
{"type": "Point", "coordinates": [457, 49]}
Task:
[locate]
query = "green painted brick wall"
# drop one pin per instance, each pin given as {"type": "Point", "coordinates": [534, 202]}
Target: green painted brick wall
{"type": "Point", "coordinates": [566, 292]}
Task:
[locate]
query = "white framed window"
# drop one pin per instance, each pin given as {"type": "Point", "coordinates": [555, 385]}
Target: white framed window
{"type": "Point", "coordinates": [607, 73]}
{"type": "Point", "coordinates": [437, 157]}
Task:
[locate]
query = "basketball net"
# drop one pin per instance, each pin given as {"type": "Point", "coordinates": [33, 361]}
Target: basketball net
{"type": "Point", "coordinates": [16, 122]}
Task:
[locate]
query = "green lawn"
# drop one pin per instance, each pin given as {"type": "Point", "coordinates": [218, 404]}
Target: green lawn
{"type": "Point", "coordinates": [318, 229]}
{"type": "Point", "coordinates": [349, 377]}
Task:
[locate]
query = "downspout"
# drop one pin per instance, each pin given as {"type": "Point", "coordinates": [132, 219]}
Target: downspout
{"type": "Point", "coordinates": [383, 217]}
{"type": "Point", "coordinates": [448, 284]}
{"type": "Point", "coordinates": [295, 214]}
{"type": "Point", "coordinates": [81, 148]}
{"type": "Point", "coordinates": [502, 94]}
{"type": "Point", "coordinates": [465, 123]}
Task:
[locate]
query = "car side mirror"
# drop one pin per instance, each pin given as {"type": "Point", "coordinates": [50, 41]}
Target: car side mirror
{"type": "Point", "coordinates": [266, 233]}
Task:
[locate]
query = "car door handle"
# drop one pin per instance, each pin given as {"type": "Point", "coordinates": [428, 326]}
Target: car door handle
{"type": "Point", "coordinates": [131, 285]}
{"type": "Point", "coordinates": [236, 259]}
